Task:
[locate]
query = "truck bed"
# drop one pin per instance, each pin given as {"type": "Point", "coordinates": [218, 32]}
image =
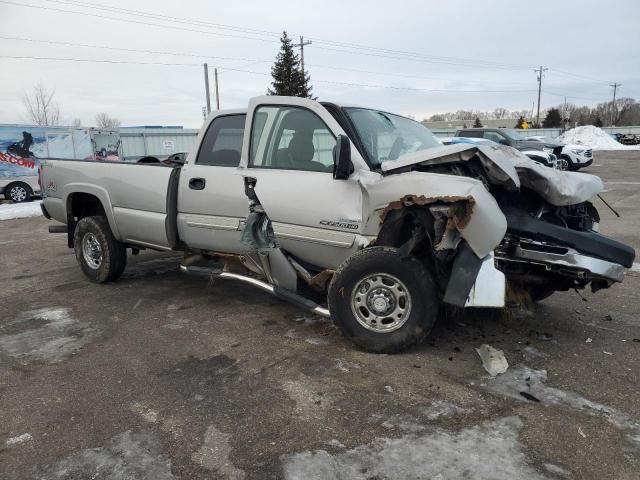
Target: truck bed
{"type": "Point", "coordinates": [136, 198]}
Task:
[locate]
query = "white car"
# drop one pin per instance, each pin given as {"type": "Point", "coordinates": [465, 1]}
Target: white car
{"type": "Point", "coordinates": [577, 156]}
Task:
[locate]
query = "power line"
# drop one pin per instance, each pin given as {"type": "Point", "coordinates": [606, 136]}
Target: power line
{"type": "Point", "coordinates": [193, 55]}
{"type": "Point", "coordinates": [232, 69]}
{"type": "Point", "coordinates": [408, 56]}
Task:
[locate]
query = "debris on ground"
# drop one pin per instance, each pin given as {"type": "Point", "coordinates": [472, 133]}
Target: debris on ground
{"type": "Point", "coordinates": [542, 336]}
{"type": "Point", "coordinates": [528, 396]}
{"type": "Point", "coordinates": [588, 340]}
{"type": "Point", "coordinates": [493, 360]}
{"type": "Point", "coordinates": [607, 318]}
{"type": "Point", "coordinates": [582, 434]}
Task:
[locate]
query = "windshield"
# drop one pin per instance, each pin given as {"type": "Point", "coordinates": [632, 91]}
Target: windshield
{"type": "Point", "coordinates": [386, 137]}
{"type": "Point", "coordinates": [511, 133]}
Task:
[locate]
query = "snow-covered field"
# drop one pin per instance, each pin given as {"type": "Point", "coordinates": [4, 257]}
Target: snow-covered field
{"type": "Point", "coordinates": [9, 211]}
{"type": "Point", "coordinates": [593, 137]}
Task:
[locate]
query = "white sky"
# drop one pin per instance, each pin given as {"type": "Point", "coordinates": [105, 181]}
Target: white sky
{"type": "Point", "coordinates": [597, 42]}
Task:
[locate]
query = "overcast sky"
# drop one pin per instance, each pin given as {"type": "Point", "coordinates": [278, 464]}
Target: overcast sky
{"type": "Point", "coordinates": [461, 54]}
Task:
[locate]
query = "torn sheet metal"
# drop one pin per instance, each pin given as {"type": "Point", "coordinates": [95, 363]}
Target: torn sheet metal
{"type": "Point", "coordinates": [509, 167]}
{"type": "Point", "coordinates": [481, 223]}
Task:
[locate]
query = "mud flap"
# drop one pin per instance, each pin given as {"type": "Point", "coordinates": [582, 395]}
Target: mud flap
{"type": "Point", "coordinates": [463, 275]}
{"type": "Point", "coordinates": [489, 289]}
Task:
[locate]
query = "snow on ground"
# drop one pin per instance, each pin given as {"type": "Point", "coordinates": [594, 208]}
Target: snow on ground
{"type": "Point", "coordinates": [9, 211]}
{"type": "Point", "coordinates": [593, 137]}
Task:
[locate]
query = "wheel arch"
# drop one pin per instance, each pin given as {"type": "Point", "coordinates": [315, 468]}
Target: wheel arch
{"type": "Point", "coordinates": [87, 200]}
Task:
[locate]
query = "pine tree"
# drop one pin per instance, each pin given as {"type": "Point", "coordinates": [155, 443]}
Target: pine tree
{"type": "Point", "coordinates": [553, 119]}
{"type": "Point", "coordinates": [287, 74]}
{"type": "Point", "coordinates": [598, 122]}
{"type": "Point", "coordinates": [520, 123]}
{"type": "Point", "coordinates": [477, 123]}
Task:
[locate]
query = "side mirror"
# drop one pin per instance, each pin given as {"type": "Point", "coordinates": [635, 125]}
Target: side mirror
{"type": "Point", "coordinates": [504, 142]}
{"type": "Point", "coordinates": [342, 166]}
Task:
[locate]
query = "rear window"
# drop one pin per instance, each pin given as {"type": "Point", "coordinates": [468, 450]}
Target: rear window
{"type": "Point", "coordinates": [222, 144]}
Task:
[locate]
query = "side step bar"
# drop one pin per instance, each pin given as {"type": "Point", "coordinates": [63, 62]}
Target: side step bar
{"type": "Point", "coordinates": [281, 293]}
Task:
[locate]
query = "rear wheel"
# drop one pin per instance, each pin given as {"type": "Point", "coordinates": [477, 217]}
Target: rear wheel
{"type": "Point", "coordinates": [18, 192]}
{"type": "Point", "coordinates": [382, 301]}
{"type": "Point", "coordinates": [101, 257]}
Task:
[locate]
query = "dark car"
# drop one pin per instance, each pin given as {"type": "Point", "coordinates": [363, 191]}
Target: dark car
{"type": "Point", "coordinates": [511, 137]}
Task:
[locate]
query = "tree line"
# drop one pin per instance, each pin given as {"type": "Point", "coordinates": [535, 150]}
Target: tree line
{"type": "Point", "coordinates": [625, 111]}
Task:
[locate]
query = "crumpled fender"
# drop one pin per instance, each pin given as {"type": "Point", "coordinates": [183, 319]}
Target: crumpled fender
{"type": "Point", "coordinates": [483, 225]}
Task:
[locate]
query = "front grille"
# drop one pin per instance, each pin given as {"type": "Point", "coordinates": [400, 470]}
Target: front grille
{"type": "Point", "coordinates": [588, 153]}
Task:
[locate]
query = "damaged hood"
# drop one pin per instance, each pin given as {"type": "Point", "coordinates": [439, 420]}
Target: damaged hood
{"type": "Point", "coordinates": [495, 160]}
{"type": "Point", "coordinates": [508, 167]}
{"type": "Point", "coordinates": [558, 187]}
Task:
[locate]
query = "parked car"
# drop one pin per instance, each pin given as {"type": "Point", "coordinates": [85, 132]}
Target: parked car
{"type": "Point", "coordinates": [349, 212]}
{"type": "Point", "coordinates": [546, 159]}
{"type": "Point", "coordinates": [511, 137]}
{"type": "Point", "coordinates": [576, 156]}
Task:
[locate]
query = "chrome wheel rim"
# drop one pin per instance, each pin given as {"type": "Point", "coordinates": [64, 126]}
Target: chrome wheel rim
{"type": "Point", "coordinates": [18, 194]}
{"type": "Point", "coordinates": [564, 165]}
{"type": "Point", "coordinates": [91, 251]}
{"type": "Point", "coordinates": [381, 303]}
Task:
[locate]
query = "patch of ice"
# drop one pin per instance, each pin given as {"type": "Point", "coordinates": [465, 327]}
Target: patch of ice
{"type": "Point", "coordinates": [524, 379]}
{"type": "Point", "coordinates": [48, 335]}
{"type": "Point", "coordinates": [128, 455]}
{"type": "Point", "coordinates": [490, 451]}
{"type": "Point", "coordinates": [214, 454]}
{"type": "Point", "coordinates": [19, 440]}
{"type": "Point", "coordinates": [593, 137]}
{"type": "Point", "coordinates": [10, 211]}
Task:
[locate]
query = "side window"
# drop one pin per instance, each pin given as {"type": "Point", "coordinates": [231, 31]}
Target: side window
{"type": "Point", "coordinates": [291, 138]}
{"type": "Point", "coordinates": [471, 133]}
{"type": "Point", "coordinates": [222, 144]}
{"type": "Point", "coordinates": [494, 136]}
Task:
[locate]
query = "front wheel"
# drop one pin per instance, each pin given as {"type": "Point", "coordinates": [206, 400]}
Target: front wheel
{"type": "Point", "coordinates": [18, 192]}
{"type": "Point", "coordinates": [101, 257]}
{"type": "Point", "coordinates": [382, 301]}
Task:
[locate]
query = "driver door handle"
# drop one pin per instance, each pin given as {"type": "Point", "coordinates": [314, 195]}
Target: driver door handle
{"type": "Point", "coordinates": [197, 183]}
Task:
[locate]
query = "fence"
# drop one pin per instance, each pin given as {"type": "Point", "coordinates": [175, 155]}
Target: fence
{"type": "Point", "coordinates": [547, 132]}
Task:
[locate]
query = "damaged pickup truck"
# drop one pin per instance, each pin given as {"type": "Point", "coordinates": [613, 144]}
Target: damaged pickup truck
{"type": "Point", "coordinates": [349, 212]}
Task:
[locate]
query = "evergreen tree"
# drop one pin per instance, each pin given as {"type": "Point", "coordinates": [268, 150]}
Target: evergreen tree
{"type": "Point", "coordinates": [477, 123]}
{"type": "Point", "coordinates": [553, 119]}
{"type": "Point", "coordinates": [598, 122]}
{"type": "Point", "coordinates": [287, 74]}
{"type": "Point", "coordinates": [520, 123]}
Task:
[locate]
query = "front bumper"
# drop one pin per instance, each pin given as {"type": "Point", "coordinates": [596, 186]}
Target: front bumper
{"type": "Point", "coordinates": [563, 260]}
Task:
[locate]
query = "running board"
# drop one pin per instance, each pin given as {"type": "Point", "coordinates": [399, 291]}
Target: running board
{"type": "Point", "coordinates": [281, 293]}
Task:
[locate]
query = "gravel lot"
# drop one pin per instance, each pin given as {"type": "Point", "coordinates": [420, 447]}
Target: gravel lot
{"type": "Point", "coordinates": [163, 376]}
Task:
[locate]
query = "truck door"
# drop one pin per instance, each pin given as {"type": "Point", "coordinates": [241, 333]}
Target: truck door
{"type": "Point", "coordinates": [289, 151]}
{"type": "Point", "coordinates": [212, 205]}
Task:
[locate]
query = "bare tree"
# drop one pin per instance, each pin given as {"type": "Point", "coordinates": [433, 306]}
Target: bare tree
{"type": "Point", "coordinates": [41, 107]}
{"type": "Point", "coordinates": [76, 122]}
{"type": "Point", "coordinates": [103, 120]}
{"type": "Point", "coordinates": [500, 112]}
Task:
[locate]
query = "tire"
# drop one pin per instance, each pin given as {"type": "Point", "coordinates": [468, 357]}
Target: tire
{"type": "Point", "coordinates": [18, 192]}
{"type": "Point", "coordinates": [101, 257]}
{"type": "Point", "coordinates": [570, 165]}
{"type": "Point", "coordinates": [401, 289]}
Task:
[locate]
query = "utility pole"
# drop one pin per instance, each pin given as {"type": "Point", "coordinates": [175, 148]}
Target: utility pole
{"type": "Point", "coordinates": [302, 44]}
{"type": "Point", "coordinates": [215, 74]}
{"type": "Point", "coordinates": [613, 103]}
{"type": "Point", "coordinates": [539, 90]}
{"type": "Point", "coordinates": [206, 87]}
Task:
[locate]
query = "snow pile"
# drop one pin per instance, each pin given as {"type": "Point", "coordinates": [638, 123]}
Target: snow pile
{"type": "Point", "coordinates": [593, 137]}
{"type": "Point", "coordinates": [10, 211]}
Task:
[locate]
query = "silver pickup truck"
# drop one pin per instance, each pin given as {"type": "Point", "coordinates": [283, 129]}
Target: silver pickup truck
{"type": "Point", "coordinates": [350, 212]}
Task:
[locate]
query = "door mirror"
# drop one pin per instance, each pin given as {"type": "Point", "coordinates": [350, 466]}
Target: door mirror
{"type": "Point", "coordinates": [342, 166]}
